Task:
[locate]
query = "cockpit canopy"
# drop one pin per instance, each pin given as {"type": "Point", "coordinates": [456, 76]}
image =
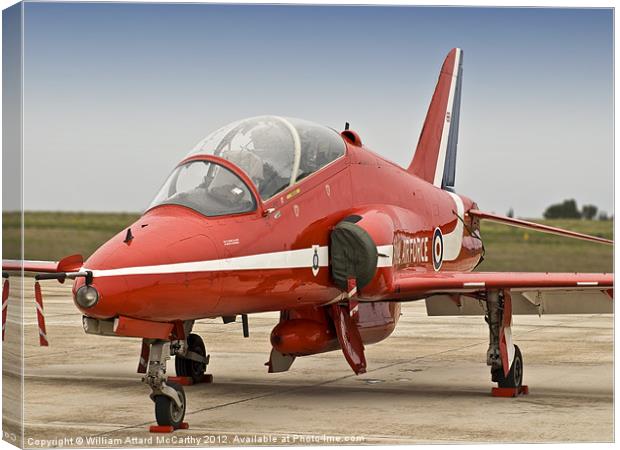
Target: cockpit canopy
{"type": "Point", "coordinates": [275, 152]}
{"type": "Point", "coordinates": [206, 187]}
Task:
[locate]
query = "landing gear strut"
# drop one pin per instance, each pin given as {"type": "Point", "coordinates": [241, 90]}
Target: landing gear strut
{"type": "Point", "coordinates": [503, 356]}
{"type": "Point", "coordinates": [169, 398]}
{"type": "Point", "coordinates": [167, 393]}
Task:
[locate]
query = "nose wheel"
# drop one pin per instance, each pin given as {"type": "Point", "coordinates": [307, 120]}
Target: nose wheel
{"type": "Point", "coordinates": [167, 412]}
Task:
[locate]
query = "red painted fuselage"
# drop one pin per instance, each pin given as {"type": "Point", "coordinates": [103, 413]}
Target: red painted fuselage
{"type": "Point", "coordinates": [318, 216]}
{"type": "Point", "coordinates": [399, 210]}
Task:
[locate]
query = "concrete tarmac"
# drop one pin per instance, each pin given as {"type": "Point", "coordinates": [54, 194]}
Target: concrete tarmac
{"type": "Point", "coordinates": [427, 383]}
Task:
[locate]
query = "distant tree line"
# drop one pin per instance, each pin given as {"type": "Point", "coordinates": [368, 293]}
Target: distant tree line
{"type": "Point", "coordinates": [568, 210]}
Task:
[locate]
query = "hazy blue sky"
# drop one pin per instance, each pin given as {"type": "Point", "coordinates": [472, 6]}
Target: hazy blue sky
{"type": "Point", "coordinates": [116, 94]}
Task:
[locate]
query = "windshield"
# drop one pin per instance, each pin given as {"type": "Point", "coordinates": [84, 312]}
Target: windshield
{"type": "Point", "coordinates": [206, 187]}
{"type": "Point", "coordinates": [275, 152]}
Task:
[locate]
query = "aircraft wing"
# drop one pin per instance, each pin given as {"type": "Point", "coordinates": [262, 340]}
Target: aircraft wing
{"type": "Point", "coordinates": [70, 263]}
{"type": "Point", "coordinates": [519, 223]}
{"type": "Point", "coordinates": [16, 265]}
{"type": "Point", "coordinates": [65, 268]}
{"type": "Point", "coordinates": [458, 293]}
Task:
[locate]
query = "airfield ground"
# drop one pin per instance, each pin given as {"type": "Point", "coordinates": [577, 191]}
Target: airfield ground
{"type": "Point", "coordinates": [427, 383]}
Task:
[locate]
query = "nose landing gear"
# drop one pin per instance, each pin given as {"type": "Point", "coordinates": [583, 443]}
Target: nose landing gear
{"type": "Point", "coordinates": [169, 398]}
{"type": "Point", "coordinates": [191, 361]}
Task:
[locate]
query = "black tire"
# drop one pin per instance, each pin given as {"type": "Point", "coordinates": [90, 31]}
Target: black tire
{"type": "Point", "coordinates": [166, 410]}
{"type": "Point", "coordinates": [515, 375]}
{"type": "Point", "coordinates": [188, 368]}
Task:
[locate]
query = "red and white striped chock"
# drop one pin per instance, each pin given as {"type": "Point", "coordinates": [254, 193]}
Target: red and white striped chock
{"type": "Point", "coordinates": [40, 315]}
{"type": "Point", "coordinates": [5, 305]}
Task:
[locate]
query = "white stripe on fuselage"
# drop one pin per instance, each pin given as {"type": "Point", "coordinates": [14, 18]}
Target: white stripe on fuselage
{"type": "Point", "coordinates": [443, 144]}
{"type": "Point", "coordinates": [291, 259]}
{"type": "Point", "coordinates": [453, 241]}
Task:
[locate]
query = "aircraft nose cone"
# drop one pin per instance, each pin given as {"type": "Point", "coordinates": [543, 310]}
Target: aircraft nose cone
{"type": "Point", "coordinates": [147, 272]}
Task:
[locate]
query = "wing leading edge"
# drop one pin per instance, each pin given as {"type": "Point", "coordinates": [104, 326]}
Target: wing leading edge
{"type": "Point", "coordinates": [70, 263]}
{"type": "Point", "coordinates": [411, 283]}
{"type": "Point", "coordinates": [458, 293]}
{"type": "Point", "coordinates": [16, 265]}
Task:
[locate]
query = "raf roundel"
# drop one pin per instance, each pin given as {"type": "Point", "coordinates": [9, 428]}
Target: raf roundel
{"type": "Point", "coordinates": [437, 249]}
{"type": "Point", "coordinates": [315, 260]}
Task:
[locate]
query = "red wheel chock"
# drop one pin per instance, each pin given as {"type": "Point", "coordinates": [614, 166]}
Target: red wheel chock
{"type": "Point", "coordinates": [188, 381]}
{"type": "Point", "coordinates": [167, 428]}
{"type": "Point", "coordinates": [509, 392]}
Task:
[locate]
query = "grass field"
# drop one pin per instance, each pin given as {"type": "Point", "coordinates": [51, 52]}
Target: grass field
{"type": "Point", "coordinates": [520, 250]}
{"type": "Point", "coordinates": [53, 235]}
{"type": "Point", "coordinates": [50, 236]}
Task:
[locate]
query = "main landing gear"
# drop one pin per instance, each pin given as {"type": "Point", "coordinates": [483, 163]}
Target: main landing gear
{"type": "Point", "coordinates": [193, 363]}
{"type": "Point", "coordinates": [503, 356]}
{"type": "Point", "coordinates": [169, 397]}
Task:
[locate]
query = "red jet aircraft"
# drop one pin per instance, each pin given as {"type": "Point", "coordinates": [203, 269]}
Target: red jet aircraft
{"type": "Point", "coordinates": [279, 214]}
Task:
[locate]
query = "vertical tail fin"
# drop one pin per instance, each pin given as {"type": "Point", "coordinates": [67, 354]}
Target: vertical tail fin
{"type": "Point", "coordinates": [435, 155]}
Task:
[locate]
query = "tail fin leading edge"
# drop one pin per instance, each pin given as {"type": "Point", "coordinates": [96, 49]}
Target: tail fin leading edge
{"type": "Point", "coordinates": [435, 155]}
